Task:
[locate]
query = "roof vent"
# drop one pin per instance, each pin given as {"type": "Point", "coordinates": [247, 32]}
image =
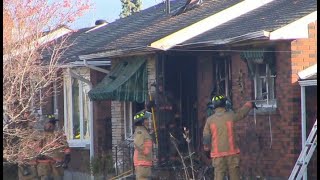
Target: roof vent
{"type": "Point", "coordinates": [100, 21]}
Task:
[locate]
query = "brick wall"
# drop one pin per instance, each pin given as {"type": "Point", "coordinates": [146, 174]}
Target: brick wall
{"type": "Point", "coordinates": [304, 54]}
{"type": "Point", "coordinates": [80, 160]}
{"type": "Point", "coordinates": [260, 157]}
{"type": "Point", "coordinates": [204, 81]}
{"type": "Point", "coordinates": [101, 118]}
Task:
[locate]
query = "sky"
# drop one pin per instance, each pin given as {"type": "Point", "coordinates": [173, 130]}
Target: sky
{"type": "Point", "coordinates": [108, 10]}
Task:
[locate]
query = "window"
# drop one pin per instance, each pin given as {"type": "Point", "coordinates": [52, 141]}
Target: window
{"type": "Point", "coordinates": [77, 113]}
{"type": "Point", "coordinates": [128, 119]}
{"type": "Point", "coordinates": [262, 70]}
{"type": "Point", "coordinates": [222, 77]}
{"type": "Point", "coordinates": [264, 89]}
{"type": "Point", "coordinates": [130, 109]}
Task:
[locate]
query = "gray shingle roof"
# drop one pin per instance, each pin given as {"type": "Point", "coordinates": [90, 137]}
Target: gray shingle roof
{"type": "Point", "coordinates": [268, 17]}
{"type": "Point", "coordinates": [144, 27]}
{"type": "Point", "coordinates": [149, 25]}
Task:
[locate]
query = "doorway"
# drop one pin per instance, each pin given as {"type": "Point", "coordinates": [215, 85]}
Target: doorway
{"type": "Point", "coordinates": [179, 75]}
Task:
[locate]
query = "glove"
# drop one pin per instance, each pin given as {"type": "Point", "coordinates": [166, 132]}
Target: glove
{"type": "Point", "coordinates": [254, 105]}
{"type": "Point", "coordinates": [40, 157]}
{"type": "Point", "coordinates": [26, 171]}
{"type": "Point", "coordinates": [150, 105]}
{"type": "Point", "coordinates": [207, 154]}
{"type": "Point", "coordinates": [67, 158]}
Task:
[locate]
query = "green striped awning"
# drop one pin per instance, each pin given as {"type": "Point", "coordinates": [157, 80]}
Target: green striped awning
{"type": "Point", "coordinates": [127, 81]}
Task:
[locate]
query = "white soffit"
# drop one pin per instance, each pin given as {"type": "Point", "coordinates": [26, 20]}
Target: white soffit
{"type": "Point", "coordinates": [306, 73]}
{"type": "Point", "coordinates": [295, 30]}
{"type": "Point", "coordinates": [208, 23]}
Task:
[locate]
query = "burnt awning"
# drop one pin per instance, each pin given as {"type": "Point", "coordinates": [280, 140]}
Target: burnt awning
{"type": "Point", "coordinates": [258, 56]}
{"type": "Point", "coordinates": [127, 81]}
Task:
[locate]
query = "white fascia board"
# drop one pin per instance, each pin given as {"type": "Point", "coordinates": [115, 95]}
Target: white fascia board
{"type": "Point", "coordinates": [295, 30]}
{"type": "Point", "coordinates": [53, 35]}
{"type": "Point", "coordinates": [310, 71]}
{"type": "Point", "coordinates": [208, 24]}
{"type": "Point", "coordinates": [308, 83]}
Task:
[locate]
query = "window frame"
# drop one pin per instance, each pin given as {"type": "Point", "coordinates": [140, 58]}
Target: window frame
{"type": "Point", "coordinates": [225, 64]}
{"type": "Point", "coordinates": [68, 115]}
{"type": "Point", "coordinates": [268, 102]}
{"type": "Point", "coordinates": [126, 112]}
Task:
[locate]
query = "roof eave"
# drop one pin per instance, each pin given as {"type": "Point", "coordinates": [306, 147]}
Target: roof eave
{"type": "Point", "coordinates": [259, 35]}
{"type": "Point", "coordinates": [119, 53]}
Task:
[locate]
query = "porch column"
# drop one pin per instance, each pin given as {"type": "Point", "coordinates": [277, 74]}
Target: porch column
{"type": "Point", "coordinates": [303, 122]}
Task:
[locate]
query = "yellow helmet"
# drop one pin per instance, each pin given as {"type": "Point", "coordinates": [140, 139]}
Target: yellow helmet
{"type": "Point", "coordinates": [218, 101]}
{"type": "Point", "coordinates": [140, 116]}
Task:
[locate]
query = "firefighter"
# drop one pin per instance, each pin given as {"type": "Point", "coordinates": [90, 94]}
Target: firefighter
{"type": "Point", "coordinates": [52, 164]}
{"type": "Point", "coordinates": [27, 168]}
{"type": "Point", "coordinates": [142, 157]}
{"type": "Point", "coordinates": [219, 138]}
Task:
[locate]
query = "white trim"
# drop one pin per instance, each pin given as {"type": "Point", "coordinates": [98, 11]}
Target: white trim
{"type": "Point", "coordinates": [207, 24]}
{"type": "Point", "coordinates": [55, 99]}
{"type": "Point", "coordinates": [295, 30]}
{"type": "Point", "coordinates": [65, 105]}
{"type": "Point", "coordinates": [303, 124]}
{"type": "Point", "coordinates": [308, 82]}
{"type": "Point", "coordinates": [125, 118]}
{"type": "Point", "coordinates": [306, 73]}
{"type": "Point", "coordinates": [70, 107]}
{"type": "Point", "coordinates": [96, 27]}
{"type": "Point", "coordinates": [83, 143]}
{"type": "Point", "coordinates": [78, 143]}
{"type": "Point", "coordinates": [81, 108]}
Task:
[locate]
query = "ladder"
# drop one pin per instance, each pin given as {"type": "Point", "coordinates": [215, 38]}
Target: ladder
{"type": "Point", "coordinates": [305, 155]}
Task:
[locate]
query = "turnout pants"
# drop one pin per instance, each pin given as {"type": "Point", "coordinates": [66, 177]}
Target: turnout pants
{"type": "Point", "coordinates": [48, 171]}
{"type": "Point", "coordinates": [143, 172]}
{"type": "Point", "coordinates": [223, 165]}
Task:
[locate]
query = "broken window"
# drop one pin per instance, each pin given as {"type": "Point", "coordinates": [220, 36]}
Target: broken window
{"type": "Point", "coordinates": [222, 77]}
{"type": "Point", "coordinates": [261, 67]}
{"type": "Point", "coordinates": [264, 85]}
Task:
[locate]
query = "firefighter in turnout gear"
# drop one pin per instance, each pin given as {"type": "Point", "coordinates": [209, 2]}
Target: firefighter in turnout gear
{"type": "Point", "coordinates": [219, 139]}
{"type": "Point", "coordinates": [56, 155]}
{"type": "Point", "coordinates": [142, 157]}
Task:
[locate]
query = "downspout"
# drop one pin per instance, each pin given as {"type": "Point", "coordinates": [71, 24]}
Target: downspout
{"type": "Point", "coordinates": [95, 67]}
{"type": "Point", "coordinates": [77, 76]}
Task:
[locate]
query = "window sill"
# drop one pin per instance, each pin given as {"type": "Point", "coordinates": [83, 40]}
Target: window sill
{"type": "Point", "coordinates": [264, 111]}
{"type": "Point", "coordinates": [79, 144]}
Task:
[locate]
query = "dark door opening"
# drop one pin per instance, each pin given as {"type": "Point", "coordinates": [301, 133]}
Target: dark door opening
{"type": "Point", "coordinates": [179, 76]}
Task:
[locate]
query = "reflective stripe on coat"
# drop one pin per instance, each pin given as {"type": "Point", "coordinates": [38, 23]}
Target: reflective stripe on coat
{"type": "Point", "coordinates": [219, 128]}
{"type": "Point", "coordinates": [142, 147]}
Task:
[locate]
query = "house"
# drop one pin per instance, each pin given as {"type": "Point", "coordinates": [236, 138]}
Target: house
{"type": "Point", "coordinates": [246, 50]}
{"type": "Point", "coordinates": [76, 113]}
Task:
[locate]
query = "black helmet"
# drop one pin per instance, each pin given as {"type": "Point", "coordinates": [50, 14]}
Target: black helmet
{"type": "Point", "coordinates": [52, 119]}
{"type": "Point", "coordinates": [140, 116]}
{"type": "Point", "coordinates": [218, 101]}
